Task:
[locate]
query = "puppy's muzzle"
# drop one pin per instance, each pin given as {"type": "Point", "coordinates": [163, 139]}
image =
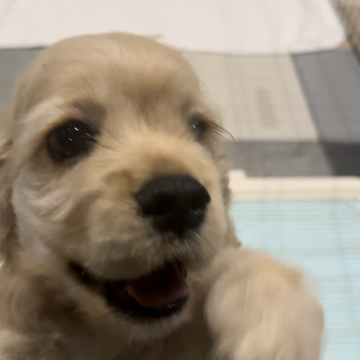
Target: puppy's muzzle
{"type": "Point", "coordinates": [174, 203]}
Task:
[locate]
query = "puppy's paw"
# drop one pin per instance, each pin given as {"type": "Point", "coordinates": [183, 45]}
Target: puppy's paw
{"type": "Point", "coordinates": [260, 309]}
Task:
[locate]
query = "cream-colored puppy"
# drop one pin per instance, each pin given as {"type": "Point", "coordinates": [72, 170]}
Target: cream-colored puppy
{"type": "Point", "coordinates": [114, 228]}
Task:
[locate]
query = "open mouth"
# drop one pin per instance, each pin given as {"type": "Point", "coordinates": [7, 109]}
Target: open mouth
{"type": "Point", "coordinates": [159, 294]}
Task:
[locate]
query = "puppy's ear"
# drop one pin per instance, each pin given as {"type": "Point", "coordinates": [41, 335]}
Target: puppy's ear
{"type": "Point", "coordinates": [223, 163]}
{"type": "Point", "coordinates": [7, 217]}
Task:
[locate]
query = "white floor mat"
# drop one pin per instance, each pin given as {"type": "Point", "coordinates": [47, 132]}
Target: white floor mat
{"type": "Point", "coordinates": [225, 26]}
{"type": "Point", "coordinates": [258, 98]}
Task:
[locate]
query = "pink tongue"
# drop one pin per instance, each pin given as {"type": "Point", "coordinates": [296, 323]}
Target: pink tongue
{"type": "Point", "coordinates": [160, 288]}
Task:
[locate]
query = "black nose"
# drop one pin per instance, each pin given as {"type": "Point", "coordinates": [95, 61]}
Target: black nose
{"type": "Point", "coordinates": [175, 203]}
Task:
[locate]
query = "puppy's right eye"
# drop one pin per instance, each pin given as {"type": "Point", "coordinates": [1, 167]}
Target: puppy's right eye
{"type": "Point", "coordinates": [74, 138]}
{"type": "Point", "coordinates": [199, 127]}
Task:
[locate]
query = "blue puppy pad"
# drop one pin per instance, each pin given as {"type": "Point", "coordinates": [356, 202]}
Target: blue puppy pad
{"type": "Point", "coordinates": [323, 237]}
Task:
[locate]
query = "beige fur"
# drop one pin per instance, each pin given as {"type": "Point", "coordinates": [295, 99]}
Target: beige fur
{"type": "Point", "coordinates": [243, 305]}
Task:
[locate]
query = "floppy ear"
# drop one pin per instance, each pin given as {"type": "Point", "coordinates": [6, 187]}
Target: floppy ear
{"type": "Point", "coordinates": [7, 217]}
{"type": "Point", "coordinates": [231, 238]}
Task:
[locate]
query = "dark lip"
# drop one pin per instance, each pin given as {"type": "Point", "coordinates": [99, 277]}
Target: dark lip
{"type": "Point", "coordinates": [126, 306]}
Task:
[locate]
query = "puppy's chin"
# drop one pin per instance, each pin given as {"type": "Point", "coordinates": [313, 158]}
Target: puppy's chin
{"type": "Point", "coordinates": [148, 331]}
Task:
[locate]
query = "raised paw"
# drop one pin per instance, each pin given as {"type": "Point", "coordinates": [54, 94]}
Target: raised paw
{"type": "Point", "coordinates": [259, 309]}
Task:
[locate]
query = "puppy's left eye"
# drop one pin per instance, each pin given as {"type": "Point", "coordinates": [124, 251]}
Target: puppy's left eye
{"type": "Point", "coordinates": [69, 140]}
{"type": "Point", "coordinates": [199, 127]}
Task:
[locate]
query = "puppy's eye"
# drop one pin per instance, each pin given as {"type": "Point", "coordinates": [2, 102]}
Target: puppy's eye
{"type": "Point", "coordinates": [199, 127]}
{"type": "Point", "coordinates": [71, 139]}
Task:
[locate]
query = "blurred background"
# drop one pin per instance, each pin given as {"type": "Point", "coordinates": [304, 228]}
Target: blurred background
{"type": "Point", "coordinates": [284, 78]}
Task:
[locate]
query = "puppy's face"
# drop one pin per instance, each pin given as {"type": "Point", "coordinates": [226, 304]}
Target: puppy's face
{"type": "Point", "coordinates": [117, 179]}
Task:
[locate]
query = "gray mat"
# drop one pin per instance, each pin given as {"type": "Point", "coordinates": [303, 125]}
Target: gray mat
{"type": "Point", "coordinates": [331, 84]}
{"type": "Point", "coordinates": [287, 159]}
{"type": "Point", "coordinates": [12, 63]}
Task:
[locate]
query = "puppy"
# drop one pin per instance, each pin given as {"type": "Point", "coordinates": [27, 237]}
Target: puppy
{"type": "Point", "coordinates": [115, 235]}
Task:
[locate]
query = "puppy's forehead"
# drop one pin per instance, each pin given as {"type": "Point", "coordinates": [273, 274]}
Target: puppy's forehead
{"type": "Point", "coordinates": [110, 67]}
